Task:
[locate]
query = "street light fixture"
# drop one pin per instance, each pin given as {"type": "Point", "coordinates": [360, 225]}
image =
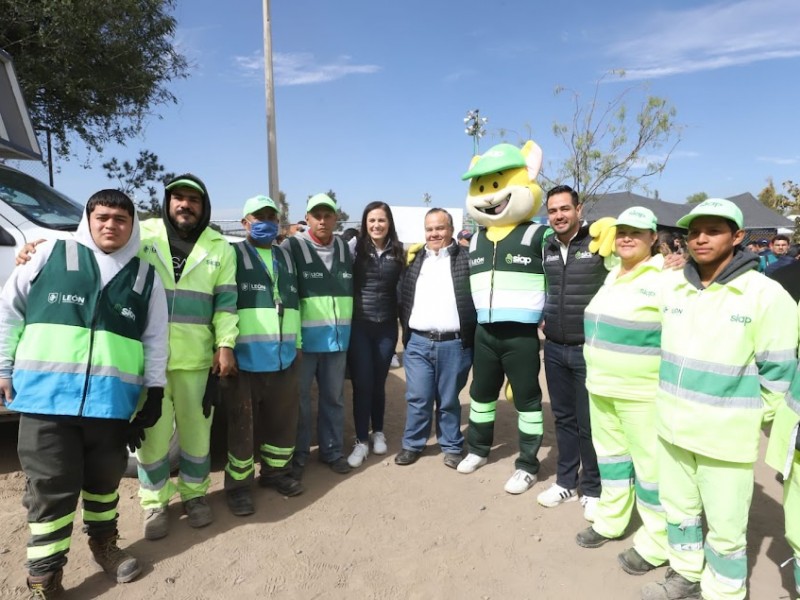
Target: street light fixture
{"type": "Point", "coordinates": [475, 127]}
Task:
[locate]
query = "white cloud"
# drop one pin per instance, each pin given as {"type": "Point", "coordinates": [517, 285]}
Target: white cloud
{"type": "Point", "coordinates": [778, 160]}
{"type": "Point", "coordinates": [715, 36]}
{"type": "Point", "coordinates": [456, 76]}
{"type": "Point", "coordinates": [300, 68]}
{"type": "Point", "coordinates": [643, 161]}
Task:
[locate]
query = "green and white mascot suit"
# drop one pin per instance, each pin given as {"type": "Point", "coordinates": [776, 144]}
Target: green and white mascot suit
{"type": "Point", "coordinates": [508, 289]}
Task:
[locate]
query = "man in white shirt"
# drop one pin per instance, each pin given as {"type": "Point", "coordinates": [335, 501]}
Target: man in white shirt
{"type": "Point", "coordinates": [438, 319]}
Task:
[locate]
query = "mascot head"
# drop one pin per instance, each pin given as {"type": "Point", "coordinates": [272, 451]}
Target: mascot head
{"type": "Point", "coordinates": [503, 190]}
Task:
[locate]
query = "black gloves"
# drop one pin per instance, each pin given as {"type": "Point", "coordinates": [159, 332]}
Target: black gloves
{"type": "Point", "coordinates": [219, 386]}
{"type": "Point", "coordinates": [146, 417]}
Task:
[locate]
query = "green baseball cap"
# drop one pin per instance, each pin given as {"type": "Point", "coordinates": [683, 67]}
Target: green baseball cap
{"type": "Point", "coordinates": [321, 200]}
{"type": "Point", "coordinates": [497, 158]}
{"type": "Point", "coordinates": [714, 207]}
{"type": "Point", "coordinates": [638, 217]}
{"type": "Point", "coordinates": [190, 183]}
{"type": "Point", "coordinates": [256, 203]}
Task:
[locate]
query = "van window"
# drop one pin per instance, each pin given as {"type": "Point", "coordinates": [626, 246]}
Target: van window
{"type": "Point", "coordinates": [38, 202]}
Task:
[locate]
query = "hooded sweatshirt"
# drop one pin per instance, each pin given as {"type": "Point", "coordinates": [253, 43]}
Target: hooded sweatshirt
{"type": "Point", "coordinates": [13, 302]}
{"type": "Point", "coordinates": [181, 247]}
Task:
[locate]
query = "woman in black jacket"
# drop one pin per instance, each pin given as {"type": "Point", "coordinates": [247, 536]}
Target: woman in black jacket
{"type": "Point", "coordinates": [377, 266]}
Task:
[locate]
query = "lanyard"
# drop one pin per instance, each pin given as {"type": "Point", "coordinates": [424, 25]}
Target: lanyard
{"type": "Point", "coordinates": [276, 296]}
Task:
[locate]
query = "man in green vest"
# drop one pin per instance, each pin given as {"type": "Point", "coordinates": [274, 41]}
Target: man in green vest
{"type": "Point", "coordinates": [197, 266]}
{"type": "Point", "coordinates": [325, 285]}
{"type": "Point", "coordinates": [107, 311]}
{"type": "Point", "coordinates": [265, 392]}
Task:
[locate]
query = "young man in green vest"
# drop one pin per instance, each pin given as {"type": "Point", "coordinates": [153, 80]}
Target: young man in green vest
{"type": "Point", "coordinates": [264, 396]}
{"type": "Point", "coordinates": [728, 352]}
{"type": "Point", "coordinates": [325, 285]}
{"type": "Point", "coordinates": [107, 310]}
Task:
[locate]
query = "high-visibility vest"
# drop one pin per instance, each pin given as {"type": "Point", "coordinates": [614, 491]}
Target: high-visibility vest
{"type": "Point", "coordinates": [506, 277]}
{"type": "Point", "coordinates": [202, 305]}
{"type": "Point", "coordinates": [326, 296]}
{"type": "Point", "coordinates": [81, 353]}
{"type": "Point", "coordinates": [622, 329]}
{"type": "Point", "coordinates": [728, 353]}
{"type": "Point", "coordinates": [269, 311]}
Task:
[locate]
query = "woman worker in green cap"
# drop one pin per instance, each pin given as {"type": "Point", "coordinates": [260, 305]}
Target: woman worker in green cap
{"type": "Point", "coordinates": [622, 351]}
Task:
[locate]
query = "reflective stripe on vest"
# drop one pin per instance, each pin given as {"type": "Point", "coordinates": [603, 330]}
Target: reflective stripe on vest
{"type": "Point", "coordinates": [96, 368]}
{"type": "Point", "coordinates": [267, 340]}
{"type": "Point", "coordinates": [326, 296]}
{"type": "Point", "coordinates": [506, 277]}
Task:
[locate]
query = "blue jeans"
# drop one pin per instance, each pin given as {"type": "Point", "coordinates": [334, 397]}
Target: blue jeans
{"type": "Point", "coordinates": [436, 372]}
{"type": "Point", "coordinates": [371, 349]}
{"type": "Point", "coordinates": [565, 370]}
{"type": "Point", "coordinates": [328, 369]}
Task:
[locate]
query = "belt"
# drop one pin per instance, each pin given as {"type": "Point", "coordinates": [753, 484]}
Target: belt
{"type": "Point", "coordinates": [439, 336]}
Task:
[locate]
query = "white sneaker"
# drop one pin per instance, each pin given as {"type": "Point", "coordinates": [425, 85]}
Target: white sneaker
{"type": "Point", "coordinates": [555, 495]}
{"type": "Point", "coordinates": [521, 481]}
{"type": "Point", "coordinates": [471, 463]}
{"type": "Point", "coordinates": [589, 504]}
{"type": "Point", "coordinates": [379, 443]}
{"type": "Point", "coordinates": [358, 455]}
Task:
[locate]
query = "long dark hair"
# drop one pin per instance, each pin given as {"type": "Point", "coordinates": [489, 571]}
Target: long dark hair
{"type": "Point", "coordinates": [364, 241]}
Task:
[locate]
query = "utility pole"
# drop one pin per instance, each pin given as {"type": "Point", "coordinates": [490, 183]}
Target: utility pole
{"type": "Point", "coordinates": [272, 141]}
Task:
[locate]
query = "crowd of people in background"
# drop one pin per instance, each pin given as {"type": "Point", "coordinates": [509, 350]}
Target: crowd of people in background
{"type": "Point", "coordinates": [643, 419]}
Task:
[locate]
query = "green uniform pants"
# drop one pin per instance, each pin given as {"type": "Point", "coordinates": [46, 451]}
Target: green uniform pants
{"type": "Point", "coordinates": [183, 406]}
{"type": "Point", "coordinates": [625, 440]}
{"type": "Point", "coordinates": [692, 484]}
{"type": "Point", "coordinates": [261, 407]}
{"type": "Point", "coordinates": [506, 350]}
{"type": "Point", "coordinates": [64, 459]}
{"type": "Point", "coordinates": [791, 511]}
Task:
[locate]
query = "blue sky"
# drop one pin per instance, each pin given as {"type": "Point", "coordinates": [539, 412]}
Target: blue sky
{"type": "Point", "coordinates": [371, 95]}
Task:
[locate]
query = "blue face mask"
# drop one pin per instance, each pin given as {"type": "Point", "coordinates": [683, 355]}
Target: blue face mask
{"type": "Point", "coordinates": [263, 232]}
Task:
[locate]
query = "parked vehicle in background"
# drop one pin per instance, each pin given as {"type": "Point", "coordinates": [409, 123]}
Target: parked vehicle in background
{"type": "Point", "coordinates": [30, 210]}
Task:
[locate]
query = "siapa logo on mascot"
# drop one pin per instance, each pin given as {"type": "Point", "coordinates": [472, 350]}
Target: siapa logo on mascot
{"type": "Point", "coordinates": [503, 190]}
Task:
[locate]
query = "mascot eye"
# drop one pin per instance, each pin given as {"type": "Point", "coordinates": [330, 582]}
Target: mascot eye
{"type": "Point", "coordinates": [480, 189]}
{"type": "Point", "coordinates": [495, 185]}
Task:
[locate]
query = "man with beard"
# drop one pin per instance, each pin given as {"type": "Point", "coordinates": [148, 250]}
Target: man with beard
{"type": "Point", "coordinates": [198, 268]}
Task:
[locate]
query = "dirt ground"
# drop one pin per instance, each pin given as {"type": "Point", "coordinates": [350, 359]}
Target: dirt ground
{"type": "Point", "coordinates": [383, 532]}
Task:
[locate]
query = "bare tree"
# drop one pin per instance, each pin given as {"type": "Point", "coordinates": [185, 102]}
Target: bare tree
{"type": "Point", "coordinates": [608, 148]}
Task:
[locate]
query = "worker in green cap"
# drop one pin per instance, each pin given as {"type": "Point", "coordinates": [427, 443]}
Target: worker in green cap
{"type": "Point", "coordinates": [198, 268]}
{"type": "Point", "coordinates": [263, 398]}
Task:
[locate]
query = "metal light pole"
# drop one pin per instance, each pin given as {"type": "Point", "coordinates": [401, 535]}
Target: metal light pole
{"type": "Point", "coordinates": [272, 142]}
{"type": "Point", "coordinates": [475, 122]}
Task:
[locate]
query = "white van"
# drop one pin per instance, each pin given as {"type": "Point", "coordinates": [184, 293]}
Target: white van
{"type": "Point", "coordinates": [30, 210]}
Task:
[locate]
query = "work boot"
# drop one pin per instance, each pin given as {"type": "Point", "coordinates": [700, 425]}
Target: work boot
{"type": "Point", "coordinates": [240, 502]}
{"type": "Point", "coordinates": [674, 587]}
{"type": "Point", "coordinates": [198, 511]}
{"type": "Point", "coordinates": [112, 559]}
{"type": "Point", "coordinates": [589, 538]}
{"type": "Point", "coordinates": [633, 563]}
{"type": "Point", "coordinates": [284, 484]}
{"type": "Point", "coordinates": [156, 523]}
{"type": "Point", "coordinates": [46, 586]}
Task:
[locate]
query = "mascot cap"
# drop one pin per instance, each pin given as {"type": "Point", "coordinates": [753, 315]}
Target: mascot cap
{"type": "Point", "coordinates": [638, 217]}
{"type": "Point", "coordinates": [714, 207]}
{"type": "Point", "coordinates": [256, 203]}
{"type": "Point", "coordinates": [498, 158]}
{"type": "Point", "coordinates": [320, 200]}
